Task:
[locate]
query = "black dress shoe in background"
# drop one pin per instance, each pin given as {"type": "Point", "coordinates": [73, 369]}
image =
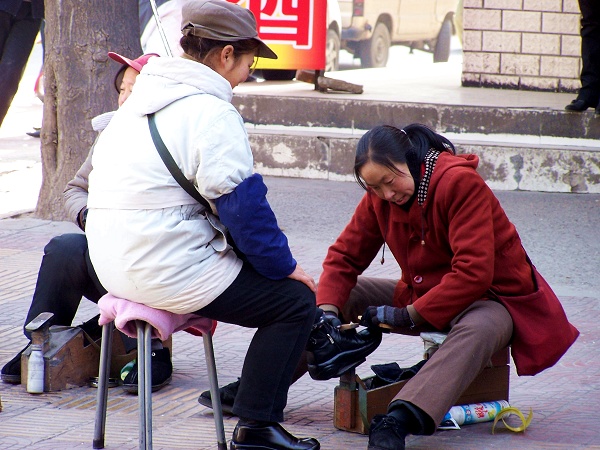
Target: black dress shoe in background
{"type": "Point", "coordinates": [268, 436]}
{"type": "Point", "coordinates": [579, 105]}
{"type": "Point", "coordinates": [162, 370]}
{"type": "Point", "coordinates": [332, 352]}
{"type": "Point", "coordinates": [227, 394]}
{"type": "Point", "coordinates": [11, 372]}
{"type": "Point", "coordinates": [35, 133]}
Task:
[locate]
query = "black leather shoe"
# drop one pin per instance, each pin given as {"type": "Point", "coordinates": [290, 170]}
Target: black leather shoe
{"type": "Point", "coordinates": [226, 393]}
{"type": "Point", "coordinates": [162, 370]}
{"type": "Point", "coordinates": [332, 352]}
{"type": "Point", "coordinates": [386, 433]}
{"type": "Point", "coordinates": [11, 372]}
{"type": "Point", "coordinates": [271, 436]}
{"type": "Point", "coordinates": [579, 105]}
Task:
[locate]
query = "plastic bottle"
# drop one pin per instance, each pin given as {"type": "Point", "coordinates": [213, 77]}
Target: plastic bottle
{"type": "Point", "coordinates": [476, 412]}
{"type": "Point", "coordinates": [35, 371]}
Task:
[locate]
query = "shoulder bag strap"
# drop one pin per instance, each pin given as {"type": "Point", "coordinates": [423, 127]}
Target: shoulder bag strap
{"type": "Point", "coordinates": [186, 184]}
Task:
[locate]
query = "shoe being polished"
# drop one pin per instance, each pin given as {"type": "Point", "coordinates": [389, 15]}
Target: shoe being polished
{"type": "Point", "coordinates": [579, 105]}
{"type": "Point", "coordinates": [332, 352]}
{"type": "Point", "coordinates": [268, 436]}
{"type": "Point", "coordinates": [227, 394]}
{"type": "Point", "coordinates": [162, 370]}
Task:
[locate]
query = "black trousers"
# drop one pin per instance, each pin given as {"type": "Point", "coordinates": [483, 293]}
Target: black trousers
{"type": "Point", "coordinates": [65, 276]}
{"type": "Point", "coordinates": [590, 51]}
{"type": "Point", "coordinates": [283, 312]}
{"type": "Point", "coordinates": [17, 36]}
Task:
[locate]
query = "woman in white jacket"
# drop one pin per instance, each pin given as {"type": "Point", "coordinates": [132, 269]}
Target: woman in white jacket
{"type": "Point", "coordinates": [152, 243]}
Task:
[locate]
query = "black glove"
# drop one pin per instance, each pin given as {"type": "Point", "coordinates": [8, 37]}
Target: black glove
{"type": "Point", "coordinates": [331, 318]}
{"type": "Point", "coordinates": [389, 315]}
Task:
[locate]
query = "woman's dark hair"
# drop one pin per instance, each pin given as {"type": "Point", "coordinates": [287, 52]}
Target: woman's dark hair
{"type": "Point", "coordinates": [388, 145]}
{"type": "Point", "coordinates": [199, 48]}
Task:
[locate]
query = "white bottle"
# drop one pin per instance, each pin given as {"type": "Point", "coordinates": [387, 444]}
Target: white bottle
{"type": "Point", "coordinates": [35, 371]}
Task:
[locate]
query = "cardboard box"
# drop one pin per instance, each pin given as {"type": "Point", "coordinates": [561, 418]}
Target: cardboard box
{"type": "Point", "coordinates": [355, 405]}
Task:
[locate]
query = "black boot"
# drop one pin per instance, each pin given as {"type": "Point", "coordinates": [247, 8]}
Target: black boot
{"type": "Point", "coordinates": [227, 394]}
{"type": "Point", "coordinates": [268, 436]}
{"type": "Point", "coordinates": [332, 352]}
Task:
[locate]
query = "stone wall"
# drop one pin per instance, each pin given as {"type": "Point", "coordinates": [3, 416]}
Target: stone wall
{"type": "Point", "coordinates": [522, 44]}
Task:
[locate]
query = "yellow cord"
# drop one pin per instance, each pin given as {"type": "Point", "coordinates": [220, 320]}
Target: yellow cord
{"type": "Point", "coordinates": [511, 410]}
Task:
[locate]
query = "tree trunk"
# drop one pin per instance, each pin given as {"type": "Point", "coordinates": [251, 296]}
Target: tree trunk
{"type": "Point", "coordinates": [79, 85]}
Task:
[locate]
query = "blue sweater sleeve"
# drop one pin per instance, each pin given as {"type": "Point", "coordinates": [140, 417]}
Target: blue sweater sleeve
{"type": "Point", "coordinates": [252, 224]}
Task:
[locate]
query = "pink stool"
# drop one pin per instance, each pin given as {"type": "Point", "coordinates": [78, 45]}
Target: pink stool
{"type": "Point", "coordinates": [144, 323]}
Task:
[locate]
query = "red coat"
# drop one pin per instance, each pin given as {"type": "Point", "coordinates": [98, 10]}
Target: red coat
{"type": "Point", "coordinates": [452, 251]}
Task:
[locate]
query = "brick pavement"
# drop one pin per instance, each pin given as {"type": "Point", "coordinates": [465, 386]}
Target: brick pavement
{"type": "Point", "coordinates": [564, 399]}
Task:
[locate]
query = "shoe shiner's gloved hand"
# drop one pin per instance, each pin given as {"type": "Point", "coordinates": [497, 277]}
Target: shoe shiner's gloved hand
{"type": "Point", "coordinates": [386, 315]}
{"type": "Point", "coordinates": [332, 318]}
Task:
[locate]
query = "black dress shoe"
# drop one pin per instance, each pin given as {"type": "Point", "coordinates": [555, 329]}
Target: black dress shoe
{"type": "Point", "coordinates": [332, 352]}
{"type": "Point", "coordinates": [162, 370]}
{"type": "Point", "coordinates": [268, 436]}
{"type": "Point", "coordinates": [386, 433]}
{"type": "Point", "coordinates": [579, 105]}
{"type": "Point", "coordinates": [226, 393]}
{"type": "Point", "coordinates": [11, 372]}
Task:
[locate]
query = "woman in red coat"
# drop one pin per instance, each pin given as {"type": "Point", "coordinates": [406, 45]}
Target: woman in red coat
{"type": "Point", "coordinates": [457, 252]}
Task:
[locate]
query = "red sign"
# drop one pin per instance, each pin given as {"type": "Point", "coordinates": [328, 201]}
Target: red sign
{"type": "Point", "coordinates": [295, 29]}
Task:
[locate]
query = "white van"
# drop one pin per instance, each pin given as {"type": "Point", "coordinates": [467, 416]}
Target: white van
{"type": "Point", "coordinates": [369, 27]}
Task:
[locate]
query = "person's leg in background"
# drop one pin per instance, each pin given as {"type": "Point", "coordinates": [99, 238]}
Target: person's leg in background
{"type": "Point", "coordinates": [17, 37]}
{"type": "Point", "coordinates": [589, 94]}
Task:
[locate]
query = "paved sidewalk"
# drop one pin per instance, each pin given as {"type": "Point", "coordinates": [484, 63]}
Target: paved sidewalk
{"type": "Point", "coordinates": [559, 230]}
{"type": "Point", "coordinates": [564, 399]}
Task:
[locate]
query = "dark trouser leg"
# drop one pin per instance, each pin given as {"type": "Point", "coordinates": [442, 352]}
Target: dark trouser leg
{"type": "Point", "coordinates": [62, 280]}
{"type": "Point", "coordinates": [481, 330]}
{"type": "Point", "coordinates": [15, 47]}
{"type": "Point", "coordinates": [590, 51]}
{"type": "Point", "coordinates": [283, 312]}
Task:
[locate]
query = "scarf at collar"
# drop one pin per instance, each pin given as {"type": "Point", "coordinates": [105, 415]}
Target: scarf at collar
{"type": "Point", "coordinates": [430, 160]}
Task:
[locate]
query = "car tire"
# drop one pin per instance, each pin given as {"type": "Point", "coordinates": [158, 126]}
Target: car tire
{"type": "Point", "coordinates": [441, 52]}
{"type": "Point", "coordinates": [332, 51]}
{"type": "Point", "coordinates": [375, 51]}
{"type": "Point", "coordinates": [278, 74]}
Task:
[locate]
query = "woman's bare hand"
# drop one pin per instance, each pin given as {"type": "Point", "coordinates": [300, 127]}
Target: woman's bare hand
{"type": "Point", "coordinates": [300, 275]}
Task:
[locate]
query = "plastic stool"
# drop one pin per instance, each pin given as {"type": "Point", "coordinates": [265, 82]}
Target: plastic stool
{"type": "Point", "coordinates": [150, 323]}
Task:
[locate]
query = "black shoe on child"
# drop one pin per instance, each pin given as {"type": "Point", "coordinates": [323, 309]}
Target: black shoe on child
{"type": "Point", "coordinates": [386, 433]}
{"type": "Point", "coordinates": [162, 371]}
{"type": "Point", "coordinates": [332, 352]}
{"type": "Point", "coordinates": [227, 394]}
{"type": "Point", "coordinates": [268, 435]}
{"type": "Point", "coordinates": [11, 372]}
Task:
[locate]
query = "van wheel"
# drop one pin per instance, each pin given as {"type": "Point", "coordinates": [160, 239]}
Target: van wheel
{"type": "Point", "coordinates": [332, 51]}
{"type": "Point", "coordinates": [441, 53]}
{"type": "Point", "coordinates": [375, 51]}
{"type": "Point", "coordinates": [278, 74]}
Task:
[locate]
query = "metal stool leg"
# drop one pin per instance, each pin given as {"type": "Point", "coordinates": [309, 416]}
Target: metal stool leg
{"type": "Point", "coordinates": [102, 394]}
{"type": "Point", "coordinates": [148, 384]}
{"type": "Point", "coordinates": [214, 390]}
{"type": "Point", "coordinates": [144, 385]}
